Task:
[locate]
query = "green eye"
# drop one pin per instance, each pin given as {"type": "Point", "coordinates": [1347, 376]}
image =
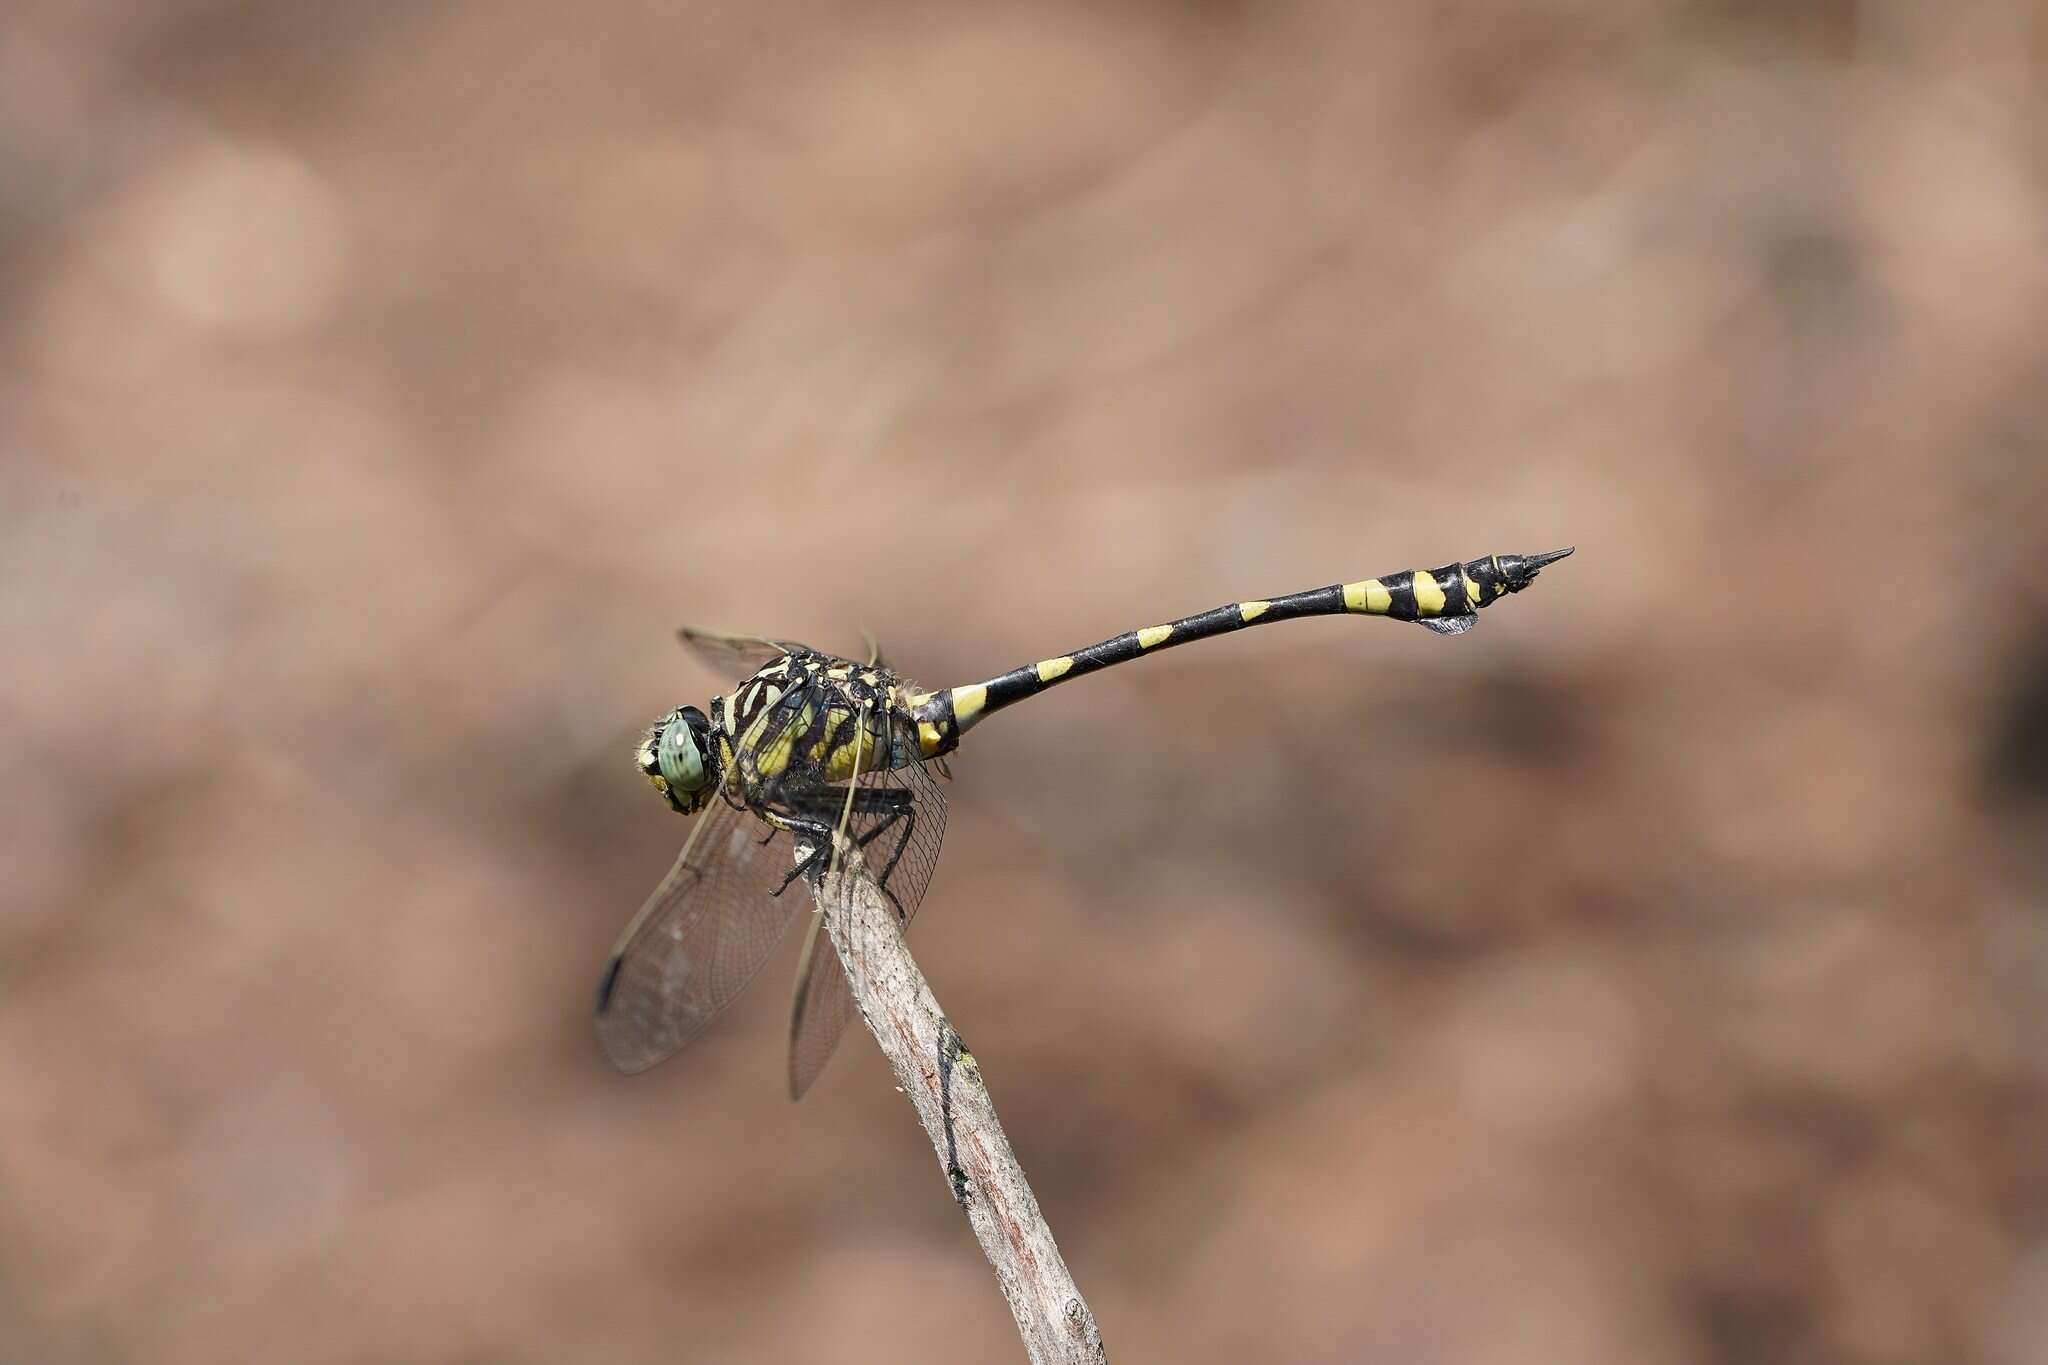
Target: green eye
{"type": "Point", "coordinates": [676, 753]}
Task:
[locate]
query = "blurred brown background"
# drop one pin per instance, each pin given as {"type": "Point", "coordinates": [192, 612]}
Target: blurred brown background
{"type": "Point", "coordinates": [1656, 975]}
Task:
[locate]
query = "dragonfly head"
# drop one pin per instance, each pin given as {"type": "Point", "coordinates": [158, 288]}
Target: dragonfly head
{"type": "Point", "coordinates": [678, 758]}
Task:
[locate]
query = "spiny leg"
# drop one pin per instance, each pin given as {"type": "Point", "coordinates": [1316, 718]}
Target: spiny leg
{"type": "Point", "coordinates": [819, 832]}
{"type": "Point", "coordinates": [902, 809]}
{"type": "Point", "coordinates": [907, 814]}
{"type": "Point", "coordinates": [904, 812]}
{"type": "Point", "coordinates": [816, 831]}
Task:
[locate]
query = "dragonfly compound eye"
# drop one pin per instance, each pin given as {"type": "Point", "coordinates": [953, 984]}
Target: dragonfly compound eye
{"type": "Point", "coordinates": [676, 754]}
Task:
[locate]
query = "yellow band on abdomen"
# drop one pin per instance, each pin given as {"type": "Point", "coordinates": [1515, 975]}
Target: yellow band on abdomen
{"type": "Point", "coordinates": [1370, 595]}
{"type": "Point", "coordinates": [1429, 596]}
{"type": "Point", "coordinates": [968, 701]}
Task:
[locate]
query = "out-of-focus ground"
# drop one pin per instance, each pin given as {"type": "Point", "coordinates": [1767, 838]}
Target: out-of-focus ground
{"type": "Point", "coordinates": [1655, 975]}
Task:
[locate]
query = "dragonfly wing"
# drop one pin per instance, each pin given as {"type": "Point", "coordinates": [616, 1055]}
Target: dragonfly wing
{"type": "Point", "coordinates": [821, 1011]}
{"type": "Point", "coordinates": [699, 939]}
{"type": "Point", "coordinates": [733, 655]}
{"type": "Point", "coordinates": [899, 819]}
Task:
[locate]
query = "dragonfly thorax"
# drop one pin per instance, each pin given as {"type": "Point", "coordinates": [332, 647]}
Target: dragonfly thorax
{"type": "Point", "coordinates": [679, 758]}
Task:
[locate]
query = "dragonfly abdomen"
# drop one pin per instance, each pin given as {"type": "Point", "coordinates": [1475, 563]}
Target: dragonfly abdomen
{"type": "Point", "coordinates": [1446, 599]}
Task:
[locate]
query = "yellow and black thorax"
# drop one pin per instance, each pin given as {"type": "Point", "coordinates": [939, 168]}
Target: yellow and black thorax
{"type": "Point", "coordinates": [809, 720]}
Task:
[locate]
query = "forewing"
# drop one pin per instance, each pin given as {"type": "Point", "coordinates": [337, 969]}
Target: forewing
{"type": "Point", "coordinates": [900, 817]}
{"type": "Point", "coordinates": [699, 939]}
{"type": "Point", "coordinates": [733, 656]}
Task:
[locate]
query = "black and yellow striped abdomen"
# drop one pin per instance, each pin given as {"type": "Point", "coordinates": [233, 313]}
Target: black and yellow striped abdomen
{"type": "Point", "coordinates": [1447, 600]}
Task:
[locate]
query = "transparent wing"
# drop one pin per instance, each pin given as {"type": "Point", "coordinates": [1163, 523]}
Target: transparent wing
{"type": "Point", "coordinates": [899, 819]}
{"type": "Point", "coordinates": [819, 1013]}
{"type": "Point", "coordinates": [699, 939]}
{"type": "Point", "coordinates": [733, 656]}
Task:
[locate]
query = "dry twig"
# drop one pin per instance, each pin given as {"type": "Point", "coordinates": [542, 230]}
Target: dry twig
{"type": "Point", "coordinates": [944, 1082]}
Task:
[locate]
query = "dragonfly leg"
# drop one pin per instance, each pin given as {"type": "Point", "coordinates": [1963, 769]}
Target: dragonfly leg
{"type": "Point", "coordinates": [893, 805]}
{"type": "Point", "coordinates": [804, 820]}
{"type": "Point", "coordinates": [817, 832]}
{"type": "Point", "coordinates": [907, 814]}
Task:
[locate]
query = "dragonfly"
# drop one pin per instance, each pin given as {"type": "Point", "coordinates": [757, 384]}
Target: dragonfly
{"type": "Point", "coordinates": [812, 756]}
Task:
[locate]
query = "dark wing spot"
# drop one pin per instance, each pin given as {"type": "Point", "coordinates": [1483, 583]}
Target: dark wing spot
{"type": "Point", "coordinates": [2016, 765]}
{"type": "Point", "coordinates": [610, 982]}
